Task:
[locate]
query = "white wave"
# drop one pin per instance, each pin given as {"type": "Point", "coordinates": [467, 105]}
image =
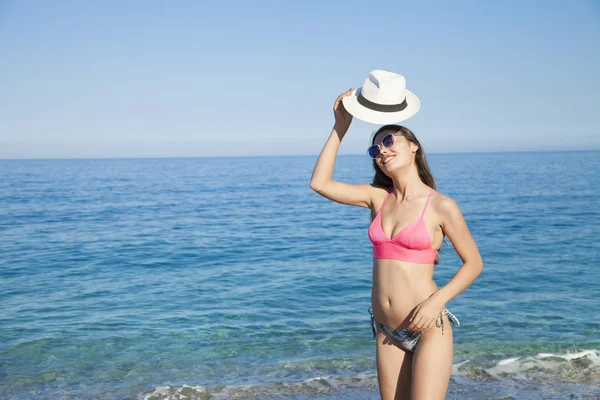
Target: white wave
{"type": "Point", "coordinates": [591, 354]}
{"type": "Point", "coordinates": [583, 365]}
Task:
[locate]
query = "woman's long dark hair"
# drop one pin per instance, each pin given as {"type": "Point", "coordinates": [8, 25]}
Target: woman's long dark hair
{"type": "Point", "coordinates": [382, 180]}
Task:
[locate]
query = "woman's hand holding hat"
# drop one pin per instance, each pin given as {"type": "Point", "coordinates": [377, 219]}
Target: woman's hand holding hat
{"type": "Point", "coordinates": [342, 117]}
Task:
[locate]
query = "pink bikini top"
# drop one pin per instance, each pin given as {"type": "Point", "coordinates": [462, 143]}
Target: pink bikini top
{"type": "Point", "coordinates": [411, 244]}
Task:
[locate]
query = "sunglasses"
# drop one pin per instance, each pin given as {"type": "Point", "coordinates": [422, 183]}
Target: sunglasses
{"type": "Point", "coordinates": [387, 142]}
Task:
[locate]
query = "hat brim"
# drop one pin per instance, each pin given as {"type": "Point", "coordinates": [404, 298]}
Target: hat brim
{"type": "Point", "coordinates": [378, 117]}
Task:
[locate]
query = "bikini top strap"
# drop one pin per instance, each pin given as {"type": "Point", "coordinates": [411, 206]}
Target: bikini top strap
{"type": "Point", "coordinates": [427, 202]}
{"type": "Point", "coordinates": [384, 200]}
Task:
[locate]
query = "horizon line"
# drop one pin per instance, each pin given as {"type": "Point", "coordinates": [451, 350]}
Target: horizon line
{"type": "Point", "coordinates": [288, 155]}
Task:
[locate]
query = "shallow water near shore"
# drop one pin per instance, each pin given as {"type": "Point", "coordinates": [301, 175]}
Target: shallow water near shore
{"type": "Point", "coordinates": [215, 278]}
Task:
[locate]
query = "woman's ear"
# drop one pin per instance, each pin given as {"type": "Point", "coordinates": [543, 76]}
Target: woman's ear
{"type": "Point", "coordinates": [413, 147]}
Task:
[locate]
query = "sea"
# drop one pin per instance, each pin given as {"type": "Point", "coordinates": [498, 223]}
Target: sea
{"type": "Point", "coordinates": [228, 278]}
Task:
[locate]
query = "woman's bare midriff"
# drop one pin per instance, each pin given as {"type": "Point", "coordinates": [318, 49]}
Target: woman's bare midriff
{"type": "Point", "coordinates": [398, 287]}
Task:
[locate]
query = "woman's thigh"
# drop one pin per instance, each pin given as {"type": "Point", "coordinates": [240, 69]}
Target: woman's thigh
{"type": "Point", "coordinates": [394, 369]}
{"type": "Point", "coordinates": [432, 364]}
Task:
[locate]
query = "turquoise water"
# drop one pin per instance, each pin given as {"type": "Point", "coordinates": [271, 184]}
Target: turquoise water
{"type": "Point", "coordinates": [230, 278]}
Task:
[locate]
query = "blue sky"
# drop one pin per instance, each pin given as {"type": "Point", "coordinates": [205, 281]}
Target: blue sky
{"type": "Point", "coordinates": [228, 78]}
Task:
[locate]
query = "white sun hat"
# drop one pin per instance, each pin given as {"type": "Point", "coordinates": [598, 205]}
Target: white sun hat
{"type": "Point", "coordinates": [383, 99]}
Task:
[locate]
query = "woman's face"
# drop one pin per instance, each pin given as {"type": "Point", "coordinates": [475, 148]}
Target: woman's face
{"type": "Point", "coordinates": [399, 155]}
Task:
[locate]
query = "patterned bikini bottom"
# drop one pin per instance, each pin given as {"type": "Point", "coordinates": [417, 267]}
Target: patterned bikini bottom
{"type": "Point", "coordinates": [403, 337]}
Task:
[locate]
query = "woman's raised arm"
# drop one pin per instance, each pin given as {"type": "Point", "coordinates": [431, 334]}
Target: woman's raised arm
{"type": "Point", "coordinates": [322, 178]}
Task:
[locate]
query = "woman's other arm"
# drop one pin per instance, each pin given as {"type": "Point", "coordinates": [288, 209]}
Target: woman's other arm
{"type": "Point", "coordinates": [455, 227]}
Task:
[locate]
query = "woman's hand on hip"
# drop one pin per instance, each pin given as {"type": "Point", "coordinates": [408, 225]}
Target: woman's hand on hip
{"type": "Point", "coordinates": [425, 315]}
{"type": "Point", "coordinates": [342, 117]}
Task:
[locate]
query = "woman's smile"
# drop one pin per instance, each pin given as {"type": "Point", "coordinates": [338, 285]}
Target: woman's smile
{"type": "Point", "coordinates": [387, 159]}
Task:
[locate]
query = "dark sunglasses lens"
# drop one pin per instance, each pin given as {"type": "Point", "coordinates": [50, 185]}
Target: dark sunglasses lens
{"type": "Point", "coordinates": [388, 140]}
{"type": "Point", "coordinates": [373, 151]}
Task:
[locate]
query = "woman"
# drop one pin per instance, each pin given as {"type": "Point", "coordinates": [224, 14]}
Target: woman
{"type": "Point", "coordinates": [411, 324]}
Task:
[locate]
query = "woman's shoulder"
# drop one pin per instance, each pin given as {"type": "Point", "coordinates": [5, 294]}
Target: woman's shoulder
{"type": "Point", "coordinates": [444, 205]}
{"type": "Point", "coordinates": [378, 195]}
